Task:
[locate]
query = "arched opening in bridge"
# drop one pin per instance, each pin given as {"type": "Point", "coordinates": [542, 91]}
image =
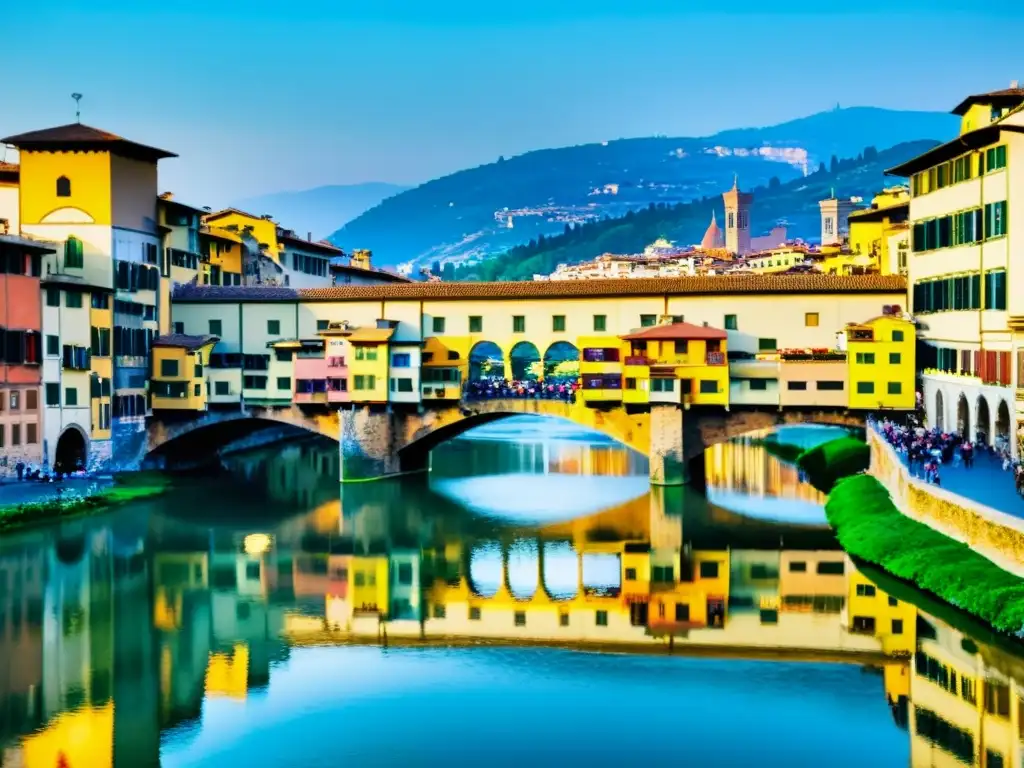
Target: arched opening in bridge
{"type": "Point", "coordinates": [486, 362]}
{"type": "Point", "coordinates": [963, 418]}
{"type": "Point", "coordinates": [940, 412]}
{"type": "Point", "coordinates": [1003, 424]}
{"type": "Point", "coordinates": [984, 421]}
{"type": "Point", "coordinates": [71, 453]}
{"type": "Point", "coordinates": [523, 569]}
{"type": "Point", "coordinates": [561, 363]}
{"type": "Point", "coordinates": [524, 359]}
{"type": "Point", "coordinates": [561, 570]}
{"type": "Point", "coordinates": [602, 574]}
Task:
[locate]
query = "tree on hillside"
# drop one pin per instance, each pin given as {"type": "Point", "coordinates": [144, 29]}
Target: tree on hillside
{"type": "Point", "coordinates": [774, 183]}
{"type": "Point", "coordinates": [833, 165]}
{"type": "Point", "coordinates": [821, 167]}
{"type": "Point", "coordinates": [436, 268]}
{"type": "Point", "coordinates": [448, 272]}
{"type": "Point", "coordinates": [870, 154]}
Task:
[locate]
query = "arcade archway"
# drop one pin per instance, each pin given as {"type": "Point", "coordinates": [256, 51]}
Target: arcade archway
{"type": "Point", "coordinates": [71, 451]}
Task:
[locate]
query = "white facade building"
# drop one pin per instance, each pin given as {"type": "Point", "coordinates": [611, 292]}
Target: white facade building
{"type": "Point", "coordinates": [966, 266]}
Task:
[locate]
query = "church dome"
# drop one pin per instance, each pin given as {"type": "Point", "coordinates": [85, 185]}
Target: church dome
{"type": "Point", "coordinates": [713, 238]}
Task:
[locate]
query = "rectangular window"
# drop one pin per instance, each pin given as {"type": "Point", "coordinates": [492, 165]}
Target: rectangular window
{"type": "Point", "coordinates": [865, 590]}
{"type": "Point", "coordinates": [31, 400]}
{"type": "Point", "coordinates": [894, 358]}
{"type": "Point", "coordinates": [274, 327]}
{"type": "Point", "coordinates": [73, 300]}
{"type": "Point", "coordinates": [811, 319]}
{"type": "Point", "coordinates": [663, 385]}
{"type": "Point", "coordinates": [631, 574]}
{"type": "Point", "coordinates": [865, 388]}
{"type": "Point", "coordinates": [216, 328]}
{"type": "Point", "coordinates": [730, 323]}
{"type": "Point", "coordinates": [474, 613]}
{"type": "Point", "coordinates": [600, 323]}
{"type": "Point", "coordinates": [254, 382]}
{"type": "Point", "coordinates": [767, 345]}
{"type": "Point", "coordinates": [830, 386]}
{"type": "Point", "coordinates": [708, 387]}
{"type": "Point", "coordinates": [401, 360]}
{"type": "Point", "coordinates": [798, 566]}
{"type": "Point", "coordinates": [558, 323]}
{"type": "Point", "coordinates": [647, 321]}
{"type": "Point", "coordinates": [168, 367]}
{"type": "Point", "coordinates": [53, 297]}
{"type": "Point", "coordinates": [520, 618]}
{"type": "Point", "coordinates": [759, 385]}
{"type": "Point", "coordinates": [897, 626]}
{"type": "Point", "coordinates": [995, 289]}
{"type": "Point", "coordinates": [682, 611]}
{"type": "Point", "coordinates": [31, 434]}
{"type": "Point", "coordinates": [222, 388]}
{"type": "Point", "coordinates": [563, 619]}
{"type": "Point", "coordinates": [796, 386]}
{"type": "Point", "coordinates": [476, 324]}
{"type": "Point", "coordinates": [284, 382]}
{"type": "Point", "coordinates": [681, 347]}
{"type": "Point", "coordinates": [518, 324]}
{"type": "Point", "coordinates": [53, 345]}
{"type": "Point", "coordinates": [438, 324]}
{"type": "Point", "coordinates": [53, 394]}
{"type": "Point", "coordinates": [897, 335]}
{"type": "Point", "coordinates": [831, 568]}
{"type": "Point", "coordinates": [601, 618]}
{"type": "Point", "coordinates": [71, 396]}
{"type": "Point", "coordinates": [895, 388]}
{"type": "Point", "coordinates": [322, 325]}
{"type": "Point", "coordinates": [709, 569]}
{"type": "Point", "coordinates": [865, 358]}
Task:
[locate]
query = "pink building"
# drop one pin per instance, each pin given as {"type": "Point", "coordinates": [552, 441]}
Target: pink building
{"type": "Point", "coordinates": [321, 374]}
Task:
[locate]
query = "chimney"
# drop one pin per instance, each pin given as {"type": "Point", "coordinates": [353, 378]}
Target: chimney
{"type": "Point", "coordinates": [167, 196]}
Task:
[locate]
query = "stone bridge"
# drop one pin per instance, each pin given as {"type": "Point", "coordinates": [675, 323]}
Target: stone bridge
{"type": "Point", "coordinates": [377, 441]}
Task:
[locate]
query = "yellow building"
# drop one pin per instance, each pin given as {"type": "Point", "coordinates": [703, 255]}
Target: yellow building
{"type": "Point", "coordinates": [221, 252]}
{"type": "Point", "coordinates": [774, 260]}
{"type": "Point", "coordinates": [178, 377]}
{"type": "Point", "coordinates": [697, 597]}
{"type": "Point", "coordinates": [101, 362]}
{"type": "Point", "coordinates": [872, 228]}
{"type": "Point", "coordinates": [95, 195]}
{"type": "Point", "coordinates": [881, 363]}
{"type": "Point", "coordinates": [445, 366]}
{"type": "Point", "coordinates": [370, 592]}
{"type": "Point", "coordinates": [676, 363]}
{"type": "Point", "coordinates": [604, 360]}
{"type": "Point", "coordinates": [873, 612]}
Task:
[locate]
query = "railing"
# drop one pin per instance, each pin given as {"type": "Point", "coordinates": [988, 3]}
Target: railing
{"type": "Point", "coordinates": [500, 389]}
{"type": "Point", "coordinates": [715, 358]}
{"type": "Point", "coordinates": [637, 360]}
{"type": "Point", "coordinates": [335, 362]}
{"type": "Point", "coordinates": [816, 357]}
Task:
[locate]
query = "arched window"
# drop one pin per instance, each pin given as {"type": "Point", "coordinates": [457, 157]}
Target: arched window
{"type": "Point", "coordinates": [73, 258]}
{"type": "Point", "coordinates": [63, 187]}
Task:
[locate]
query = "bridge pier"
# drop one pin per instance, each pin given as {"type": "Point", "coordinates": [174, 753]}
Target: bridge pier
{"type": "Point", "coordinates": [367, 444]}
{"type": "Point", "coordinates": [667, 456]}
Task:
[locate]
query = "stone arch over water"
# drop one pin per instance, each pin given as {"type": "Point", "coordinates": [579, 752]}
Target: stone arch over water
{"type": "Point", "coordinates": [486, 361]}
{"type": "Point", "coordinates": [525, 361]}
{"type": "Point", "coordinates": [562, 361]}
{"type": "Point", "coordinates": [963, 417]}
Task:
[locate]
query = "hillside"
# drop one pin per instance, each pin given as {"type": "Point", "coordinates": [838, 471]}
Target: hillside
{"type": "Point", "coordinates": [795, 202]}
{"type": "Point", "coordinates": [466, 214]}
{"type": "Point", "coordinates": [320, 210]}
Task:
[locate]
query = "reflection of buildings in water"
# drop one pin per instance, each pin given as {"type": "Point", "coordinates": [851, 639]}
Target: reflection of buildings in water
{"type": "Point", "coordinates": [745, 467]}
{"type": "Point", "coordinates": [303, 474]}
{"type": "Point", "coordinates": [462, 458]}
{"type": "Point", "coordinates": [22, 579]}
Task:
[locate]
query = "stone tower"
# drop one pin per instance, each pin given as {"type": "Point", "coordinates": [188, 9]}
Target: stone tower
{"type": "Point", "coordinates": [835, 216]}
{"type": "Point", "coordinates": [737, 219]}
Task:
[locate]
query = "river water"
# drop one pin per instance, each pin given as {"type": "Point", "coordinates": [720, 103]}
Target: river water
{"type": "Point", "coordinates": [532, 600]}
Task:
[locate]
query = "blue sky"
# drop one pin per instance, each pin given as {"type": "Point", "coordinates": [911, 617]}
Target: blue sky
{"type": "Point", "coordinates": [259, 96]}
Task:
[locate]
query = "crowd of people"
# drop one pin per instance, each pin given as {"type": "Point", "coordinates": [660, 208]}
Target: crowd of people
{"type": "Point", "coordinates": [554, 388]}
{"type": "Point", "coordinates": [927, 450]}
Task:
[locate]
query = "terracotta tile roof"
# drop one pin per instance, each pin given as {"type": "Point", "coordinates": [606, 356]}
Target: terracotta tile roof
{"type": "Point", "coordinates": [234, 293]}
{"type": "Point", "coordinates": [1006, 97]}
{"type": "Point", "coordinates": [78, 136]}
{"type": "Point", "coordinates": [211, 215]}
{"type": "Point", "coordinates": [379, 274]}
{"type": "Point", "coordinates": [219, 233]}
{"type": "Point", "coordinates": [711, 285]}
{"type": "Point", "coordinates": [28, 243]}
{"type": "Point", "coordinates": [184, 340]}
{"type": "Point", "coordinates": [676, 331]}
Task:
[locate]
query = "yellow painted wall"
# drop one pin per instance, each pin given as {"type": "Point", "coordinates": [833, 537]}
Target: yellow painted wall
{"type": "Point", "coordinates": [690, 364]}
{"type": "Point", "coordinates": [263, 230]}
{"type": "Point", "coordinates": [195, 386]}
{"type": "Point", "coordinates": [882, 371]}
{"type": "Point", "coordinates": [228, 674]}
{"type": "Point", "coordinates": [90, 176]}
{"type": "Point", "coordinates": [369, 581]}
{"type": "Point", "coordinates": [102, 366]}
{"type": "Point", "coordinates": [366, 367]}
{"type": "Point", "coordinates": [84, 737]}
{"type": "Point", "coordinates": [866, 600]}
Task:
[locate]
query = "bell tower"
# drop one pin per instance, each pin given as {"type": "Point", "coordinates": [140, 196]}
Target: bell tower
{"type": "Point", "coordinates": [737, 219]}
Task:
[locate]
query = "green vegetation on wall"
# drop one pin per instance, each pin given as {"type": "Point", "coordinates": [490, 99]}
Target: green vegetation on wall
{"type": "Point", "coordinates": [827, 463]}
{"type": "Point", "coordinates": [869, 526]}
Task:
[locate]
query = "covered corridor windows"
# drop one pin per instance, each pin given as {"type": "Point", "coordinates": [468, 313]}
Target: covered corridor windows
{"type": "Point", "coordinates": [995, 289]}
{"type": "Point", "coordinates": [948, 294]}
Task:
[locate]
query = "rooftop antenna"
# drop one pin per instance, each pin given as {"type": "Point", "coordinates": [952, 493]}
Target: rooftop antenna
{"type": "Point", "coordinates": [78, 106]}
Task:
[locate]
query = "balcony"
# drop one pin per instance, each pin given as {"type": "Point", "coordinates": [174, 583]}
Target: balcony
{"type": "Point", "coordinates": [638, 360]}
{"type": "Point", "coordinates": [336, 362]}
{"type": "Point", "coordinates": [441, 391]}
{"type": "Point", "coordinates": [715, 358]}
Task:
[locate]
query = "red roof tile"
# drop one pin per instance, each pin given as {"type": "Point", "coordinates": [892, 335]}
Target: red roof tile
{"type": "Point", "coordinates": [676, 331]}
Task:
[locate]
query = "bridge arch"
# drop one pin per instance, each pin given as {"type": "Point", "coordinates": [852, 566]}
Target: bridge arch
{"type": "Point", "coordinates": [983, 420]}
{"type": "Point", "coordinates": [72, 451]}
{"type": "Point", "coordinates": [525, 362]}
{"type": "Point", "coordinates": [562, 361]}
{"type": "Point", "coordinates": [963, 417]}
{"type": "Point", "coordinates": [486, 361]}
{"type": "Point", "coordinates": [1003, 425]}
{"type": "Point", "coordinates": [940, 411]}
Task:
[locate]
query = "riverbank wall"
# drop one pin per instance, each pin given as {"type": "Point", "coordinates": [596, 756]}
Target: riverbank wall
{"type": "Point", "coordinates": [995, 535]}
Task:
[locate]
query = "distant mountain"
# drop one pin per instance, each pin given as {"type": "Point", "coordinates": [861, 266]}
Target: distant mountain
{"type": "Point", "coordinates": [795, 202]}
{"type": "Point", "coordinates": [322, 209]}
{"type": "Point", "coordinates": [487, 210]}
